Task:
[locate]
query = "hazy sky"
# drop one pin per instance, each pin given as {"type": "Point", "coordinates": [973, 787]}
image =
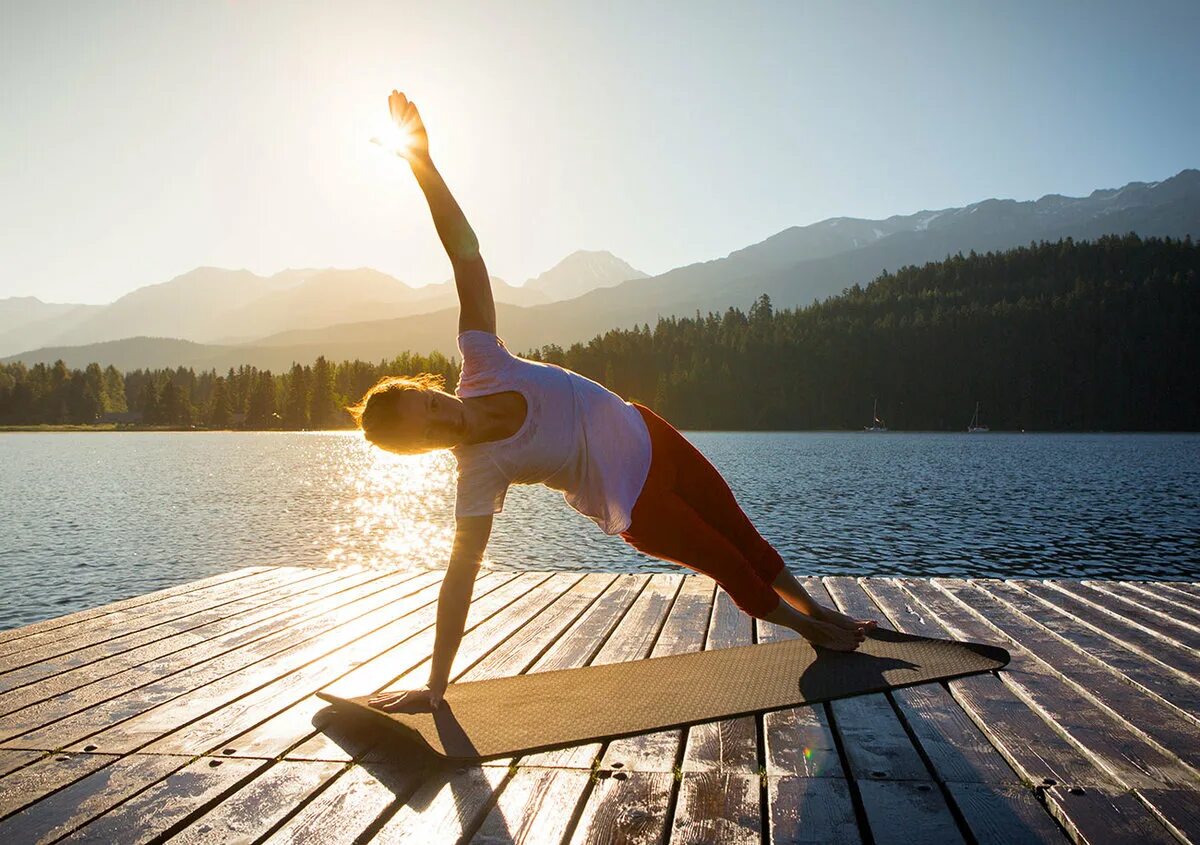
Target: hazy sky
{"type": "Point", "coordinates": [140, 140]}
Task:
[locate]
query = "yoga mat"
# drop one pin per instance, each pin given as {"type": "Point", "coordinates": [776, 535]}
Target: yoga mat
{"type": "Point", "coordinates": [499, 717]}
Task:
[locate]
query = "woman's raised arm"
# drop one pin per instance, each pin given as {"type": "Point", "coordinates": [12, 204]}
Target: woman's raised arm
{"type": "Point", "coordinates": [477, 309]}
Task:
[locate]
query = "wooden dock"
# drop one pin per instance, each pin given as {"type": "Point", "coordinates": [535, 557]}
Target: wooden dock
{"type": "Point", "coordinates": [189, 714]}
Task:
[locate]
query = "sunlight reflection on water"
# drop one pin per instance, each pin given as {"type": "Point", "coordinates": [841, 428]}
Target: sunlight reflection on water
{"type": "Point", "coordinates": [90, 518]}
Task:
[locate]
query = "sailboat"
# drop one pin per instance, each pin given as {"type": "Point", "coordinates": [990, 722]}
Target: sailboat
{"type": "Point", "coordinates": [877, 424]}
{"type": "Point", "coordinates": [976, 427]}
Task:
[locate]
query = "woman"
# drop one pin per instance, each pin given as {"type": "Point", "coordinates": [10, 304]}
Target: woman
{"type": "Point", "coordinates": [523, 422]}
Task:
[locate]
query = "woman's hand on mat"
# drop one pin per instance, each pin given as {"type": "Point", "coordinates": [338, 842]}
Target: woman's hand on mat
{"type": "Point", "coordinates": [426, 699]}
{"type": "Point", "coordinates": [413, 142]}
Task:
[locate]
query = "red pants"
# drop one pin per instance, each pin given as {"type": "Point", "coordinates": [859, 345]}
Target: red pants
{"type": "Point", "coordinates": [686, 513]}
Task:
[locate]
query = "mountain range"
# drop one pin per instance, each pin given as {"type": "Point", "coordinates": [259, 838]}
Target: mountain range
{"type": "Point", "coordinates": [300, 314]}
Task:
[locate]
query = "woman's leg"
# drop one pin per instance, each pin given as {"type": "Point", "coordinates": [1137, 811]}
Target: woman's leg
{"type": "Point", "coordinates": [667, 527]}
{"type": "Point", "coordinates": [695, 480]}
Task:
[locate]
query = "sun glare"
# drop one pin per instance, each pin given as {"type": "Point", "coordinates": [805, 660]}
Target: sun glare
{"type": "Point", "coordinates": [394, 139]}
{"type": "Point", "coordinates": [396, 513]}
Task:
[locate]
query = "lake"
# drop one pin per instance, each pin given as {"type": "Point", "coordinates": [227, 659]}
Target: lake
{"type": "Point", "coordinates": [90, 518]}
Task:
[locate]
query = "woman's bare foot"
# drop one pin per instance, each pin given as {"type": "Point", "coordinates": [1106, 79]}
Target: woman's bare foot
{"type": "Point", "coordinates": [816, 631]}
{"type": "Point", "coordinates": [833, 617]}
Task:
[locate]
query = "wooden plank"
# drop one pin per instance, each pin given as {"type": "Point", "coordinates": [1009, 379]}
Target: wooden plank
{"type": "Point", "coordinates": [1005, 814]}
{"type": "Point", "coordinates": [522, 810]}
{"type": "Point", "coordinates": [1148, 620]}
{"type": "Point", "coordinates": [1047, 759]}
{"type": "Point", "coordinates": [521, 629]}
{"type": "Point", "coordinates": [807, 795]}
{"type": "Point", "coordinates": [232, 715]}
{"type": "Point", "coordinates": [1103, 816]}
{"type": "Point", "coordinates": [157, 810]}
{"type": "Point", "coordinates": [1135, 718]}
{"type": "Point", "coordinates": [811, 811]}
{"type": "Point", "coordinates": [1177, 809]}
{"type": "Point", "coordinates": [1155, 597]}
{"type": "Point", "coordinates": [684, 631]}
{"type": "Point", "coordinates": [445, 807]}
{"type": "Point", "coordinates": [957, 749]}
{"type": "Point", "coordinates": [44, 644]}
{"type": "Point", "coordinates": [1181, 592]}
{"type": "Point", "coordinates": [58, 722]}
{"type": "Point", "coordinates": [12, 634]}
{"type": "Point", "coordinates": [718, 806]}
{"type": "Point", "coordinates": [1180, 622]}
{"type": "Point", "coordinates": [1148, 675]}
{"type": "Point", "coordinates": [172, 651]}
{"type": "Point", "coordinates": [635, 779]}
{"type": "Point", "coordinates": [363, 794]}
{"type": "Point", "coordinates": [609, 817]}
{"type": "Point", "coordinates": [896, 809]}
{"type": "Point", "coordinates": [502, 640]}
{"type": "Point", "coordinates": [894, 783]}
{"type": "Point", "coordinates": [66, 809]}
{"type": "Point", "coordinates": [536, 805]}
{"type": "Point", "coordinates": [10, 761]}
{"type": "Point", "coordinates": [54, 771]}
{"type": "Point", "coordinates": [720, 770]}
{"type": "Point", "coordinates": [1096, 731]}
{"type": "Point", "coordinates": [1184, 661]}
{"type": "Point", "coordinates": [322, 745]}
{"type": "Point", "coordinates": [253, 811]}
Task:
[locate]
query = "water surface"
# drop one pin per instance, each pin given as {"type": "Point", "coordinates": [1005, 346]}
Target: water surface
{"type": "Point", "coordinates": [89, 518]}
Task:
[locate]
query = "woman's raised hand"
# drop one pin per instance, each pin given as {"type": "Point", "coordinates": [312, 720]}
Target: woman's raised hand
{"type": "Point", "coordinates": [413, 142]}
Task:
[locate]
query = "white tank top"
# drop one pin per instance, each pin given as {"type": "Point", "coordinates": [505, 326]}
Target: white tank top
{"type": "Point", "coordinates": [578, 437]}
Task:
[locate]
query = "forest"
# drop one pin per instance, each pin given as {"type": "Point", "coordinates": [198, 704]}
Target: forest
{"type": "Point", "coordinates": [1063, 336]}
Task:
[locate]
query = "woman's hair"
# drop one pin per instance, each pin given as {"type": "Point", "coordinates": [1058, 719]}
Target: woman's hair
{"type": "Point", "coordinates": [376, 414]}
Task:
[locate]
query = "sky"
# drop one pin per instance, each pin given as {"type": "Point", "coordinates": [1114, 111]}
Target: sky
{"type": "Point", "coordinates": [141, 140]}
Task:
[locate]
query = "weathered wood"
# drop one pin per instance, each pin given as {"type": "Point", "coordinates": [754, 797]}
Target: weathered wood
{"type": "Point", "coordinates": [52, 772]}
{"type": "Point", "coordinates": [171, 652]}
{"type": "Point", "coordinates": [1135, 717]}
{"type": "Point", "coordinates": [1148, 675]}
{"type": "Point", "coordinates": [1005, 814]}
{"type": "Point", "coordinates": [811, 811]}
{"type": "Point", "coordinates": [61, 812]}
{"type": "Point", "coordinates": [59, 722]}
{"type": "Point", "coordinates": [251, 812]}
{"type": "Point", "coordinates": [1179, 622]}
{"type": "Point", "coordinates": [1154, 596]}
{"type": "Point", "coordinates": [1121, 608]}
{"type": "Point", "coordinates": [1177, 809]}
{"type": "Point", "coordinates": [1184, 661]}
{"type": "Point", "coordinates": [365, 795]}
{"type": "Point", "coordinates": [10, 761]}
{"type": "Point", "coordinates": [222, 723]}
{"type": "Point", "coordinates": [624, 808]}
{"type": "Point", "coordinates": [159, 808]}
{"type": "Point", "coordinates": [171, 610]}
{"type": "Point", "coordinates": [1044, 757]}
{"type": "Point", "coordinates": [1083, 734]}
{"type": "Point", "coordinates": [717, 806]}
{"type": "Point", "coordinates": [291, 731]}
{"type": "Point", "coordinates": [1102, 816]}
{"type": "Point", "coordinates": [720, 759]}
{"type": "Point", "coordinates": [536, 805]}
{"type": "Point", "coordinates": [446, 807]}
{"type": "Point", "coordinates": [12, 634]}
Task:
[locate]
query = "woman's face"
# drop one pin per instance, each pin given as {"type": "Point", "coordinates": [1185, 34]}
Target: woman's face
{"type": "Point", "coordinates": [427, 420]}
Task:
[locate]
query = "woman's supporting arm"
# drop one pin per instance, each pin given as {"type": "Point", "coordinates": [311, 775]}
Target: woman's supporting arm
{"type": "Point", "coordinates": [454, 601]}
{"type": "Point", "coordinates": [477, 307]}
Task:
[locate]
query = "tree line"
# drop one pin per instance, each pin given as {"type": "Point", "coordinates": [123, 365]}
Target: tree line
{"type": "Point", "coordinates": [306, 397]}
{"type": "Point", "coordinates": [1069, 335]}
